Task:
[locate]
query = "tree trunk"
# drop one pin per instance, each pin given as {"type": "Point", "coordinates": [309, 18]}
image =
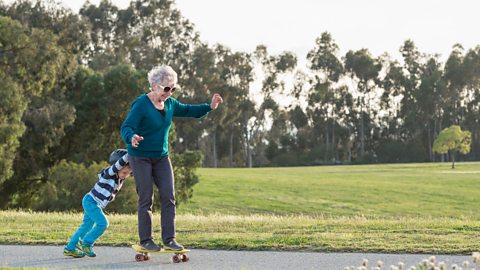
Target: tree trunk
{"type": "Point", "coordinates": [434, 135]}
{"type": "Point", "coordinates": [362, 135]}
{"type": "Point", "coordinates": [250, 162]}
{"type": "Point", "coordinates": [327, 143]}
{"type": "Point", "coordinates": [349, 146]}
{"type": "Point", "coordinates": [214, 149]}
{"type": "Point", "coordinates": [442, 157]}
{"type": "Point", "coordinates": [452, 156]}
{"type": "Point", "coordinates": [334, 146]}
{"type": "Point", "coordinates": [245, 144]}
{"type": "Point", "coordinates": [230, 160]}
{"type": "Point", "coordinates": [430, 152]}
{"type": "Point", "coordinates": [248, 150]}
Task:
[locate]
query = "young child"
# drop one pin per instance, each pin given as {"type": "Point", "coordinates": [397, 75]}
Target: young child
{"type": "Point", "coordinates": [110, 181]}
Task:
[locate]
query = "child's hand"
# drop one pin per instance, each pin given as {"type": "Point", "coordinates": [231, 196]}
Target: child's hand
{"type": "Point", "coordinates": [136, 140]}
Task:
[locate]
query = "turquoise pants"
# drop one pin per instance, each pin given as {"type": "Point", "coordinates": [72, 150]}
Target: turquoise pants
{"type": "Point", "coordinates": [94, 224]}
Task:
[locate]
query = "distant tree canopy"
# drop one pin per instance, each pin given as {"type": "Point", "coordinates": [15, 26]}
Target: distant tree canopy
{"type": "Point", "coordinates": [452, 140]}
{"type": "Point", "coordinates": [68, 81]}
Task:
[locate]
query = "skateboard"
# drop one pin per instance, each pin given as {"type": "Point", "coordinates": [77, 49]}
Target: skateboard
{"type": "Point", "coordinates": [144, 254]}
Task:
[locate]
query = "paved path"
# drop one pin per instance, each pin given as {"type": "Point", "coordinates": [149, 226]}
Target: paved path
{"type": "Point", "coordinates": [124, 258]}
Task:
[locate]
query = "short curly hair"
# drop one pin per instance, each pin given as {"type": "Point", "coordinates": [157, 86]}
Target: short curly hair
{"type": "Point", "coordinates": [162, 74]}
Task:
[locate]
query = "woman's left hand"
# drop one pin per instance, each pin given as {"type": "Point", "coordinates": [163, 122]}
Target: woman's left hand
{"type": "Point", "coordinates": [216, 99]}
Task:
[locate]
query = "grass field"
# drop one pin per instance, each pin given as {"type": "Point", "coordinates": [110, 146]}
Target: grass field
{"type": "Point", "coordinates": [416, 208]}
{"type": "Point", "coordinates": [429, 189]}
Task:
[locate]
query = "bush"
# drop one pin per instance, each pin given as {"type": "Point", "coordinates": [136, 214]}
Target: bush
{"type": "Point", "coordinates": [184, 166]}
{"type": "Point", "coordinates": [67, 183]}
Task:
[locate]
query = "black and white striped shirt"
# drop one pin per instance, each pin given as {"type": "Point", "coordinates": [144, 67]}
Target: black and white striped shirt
{"type": "Point", "coordinates": [108, 183]}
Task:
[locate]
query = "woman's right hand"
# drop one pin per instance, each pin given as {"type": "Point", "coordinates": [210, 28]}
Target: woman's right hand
{"type": "Point", "coordinates": [136, 140]}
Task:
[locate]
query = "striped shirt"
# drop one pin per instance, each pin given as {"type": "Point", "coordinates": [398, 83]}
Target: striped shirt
{"type": "Point", "coordinates": [108, 183]}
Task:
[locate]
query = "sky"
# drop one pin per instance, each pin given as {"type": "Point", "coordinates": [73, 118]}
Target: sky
{"type": "Point", "coordinates": [378, 25]}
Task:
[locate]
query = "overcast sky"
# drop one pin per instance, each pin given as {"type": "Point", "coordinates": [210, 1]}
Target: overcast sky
{"type": "Point", "coordinates": [379, 25]}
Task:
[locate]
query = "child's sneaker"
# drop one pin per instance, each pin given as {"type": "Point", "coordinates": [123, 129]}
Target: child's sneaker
{"type": "Point", "coordinates": [88, 250]}
{"type": "Point", "coordinates": [73, 253]}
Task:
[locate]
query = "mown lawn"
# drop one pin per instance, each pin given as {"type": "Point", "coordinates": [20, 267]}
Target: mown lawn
{"type": "Point", "coordinates": [415, 208]}
{"type": "Point", "coordinates": [405, 190]}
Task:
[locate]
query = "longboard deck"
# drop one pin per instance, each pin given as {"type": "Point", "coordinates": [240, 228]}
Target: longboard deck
{"type": "Point", "coordinates": [139, 248]}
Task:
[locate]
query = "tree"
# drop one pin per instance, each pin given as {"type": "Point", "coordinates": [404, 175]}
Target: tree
{"type": "Point", "coordinates": [455, 79]}
{"type": "Point", "coordinates": [324, 99]}
{"type": "Point", "coordinates": [472, 72]}
{"type": "Point", "coordinates": [430, 99]}
{"type": "Point", "coordinates": [273, 86]}
{"type": "Point", "coordinates": [452, 140]}
{"type": "Point", "coordinates": [363, 69]}
{"type": "Point", "coordinates": [235, 76]}
{"type": "Point", "coordinates": [12, 107]}
{"type": "Point", "coordinates": [101, 104]}
{"type": "Point", "coordinates": [147, 33]}
{"type": "Point", "coordinates": [39, 66]}
{"type": "Point", "coordinates": [72, 30]}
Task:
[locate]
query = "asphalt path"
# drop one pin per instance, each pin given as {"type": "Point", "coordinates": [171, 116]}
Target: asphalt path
{"type": "Point", "coordinates": [51, 257]}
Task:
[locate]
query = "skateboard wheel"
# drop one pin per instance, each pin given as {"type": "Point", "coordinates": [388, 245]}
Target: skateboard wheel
{"type": "Point", "coordinates": [139, 257]}
{"type": "Point", "coordinates": [176, 259]}
{"type": "Point", "coordinates": [146, 257]}
{"type": "Point", "coordinates": [185, 258]}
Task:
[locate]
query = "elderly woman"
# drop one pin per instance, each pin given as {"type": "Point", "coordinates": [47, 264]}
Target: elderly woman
{"type": "Point", "coordinates": [145, 130]}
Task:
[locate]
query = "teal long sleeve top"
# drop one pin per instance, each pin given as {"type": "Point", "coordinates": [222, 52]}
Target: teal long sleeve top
{"type": "Point", "coordinates": [146, 121]}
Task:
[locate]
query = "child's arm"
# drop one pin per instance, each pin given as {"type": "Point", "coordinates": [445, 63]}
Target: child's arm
{"type": "Point", "coordinates": [113, 170]}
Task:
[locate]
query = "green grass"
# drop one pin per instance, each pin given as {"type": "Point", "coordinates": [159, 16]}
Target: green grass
{"type": "Point", "coordinates": [415, 208]}
{"type": "Point", "coordinates": [429, 189]}
{"type": "Point", "coordinates": [261, 232]}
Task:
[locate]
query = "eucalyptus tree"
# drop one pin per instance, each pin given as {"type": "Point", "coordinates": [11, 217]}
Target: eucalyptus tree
{"type": "Point", "coordinates": [100, 54]}
{"type": "Point", "coordinates": [236, 75]}
{"type": "Point", "coordinates": [462, 77]}
{"type": "Point", "coordinates": [393, 88]}
{"type": "Point", "coordinates": [471, 67]}
{"type": "Point", "coordinates": [413, 95]}
{"type": "Point", "coordinates": [146, 33]}
{"type": "Point", "coordinates": [203, 81]}
{"type": "Point", "coordinates": [233, 74]}
{"type": "Point", "coordinates": [397, 129]}
{"type": "Point", "coordinates": [430, 99]}
{"type": "Point", "coordinates": [363, 70]}
{"type": "Point", "coordinates": [323, 102]}
{"type": "Point", "coordinates": [273, 87]}
{"type": "Point", "coordinates": [200, 80]}
{"type": "Point", "coordinates": [413, 65]}
{"type": "Point", "coordinates": [455, 82]}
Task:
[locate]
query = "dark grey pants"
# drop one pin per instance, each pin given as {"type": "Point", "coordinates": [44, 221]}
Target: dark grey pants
{"type": "Point", "coordinates": [146, 172]}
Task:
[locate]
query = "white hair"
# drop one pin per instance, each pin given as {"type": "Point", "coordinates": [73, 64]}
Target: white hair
{"type": "Point", "coordinates": [162, 74]}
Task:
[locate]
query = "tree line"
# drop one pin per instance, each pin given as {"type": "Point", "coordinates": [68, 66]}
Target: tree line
{"type": "Point", "coordinates": [68, 81]}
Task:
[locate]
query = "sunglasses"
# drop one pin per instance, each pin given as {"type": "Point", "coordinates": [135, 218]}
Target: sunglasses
{"type": "Point", "coordinates": [168, 89]}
